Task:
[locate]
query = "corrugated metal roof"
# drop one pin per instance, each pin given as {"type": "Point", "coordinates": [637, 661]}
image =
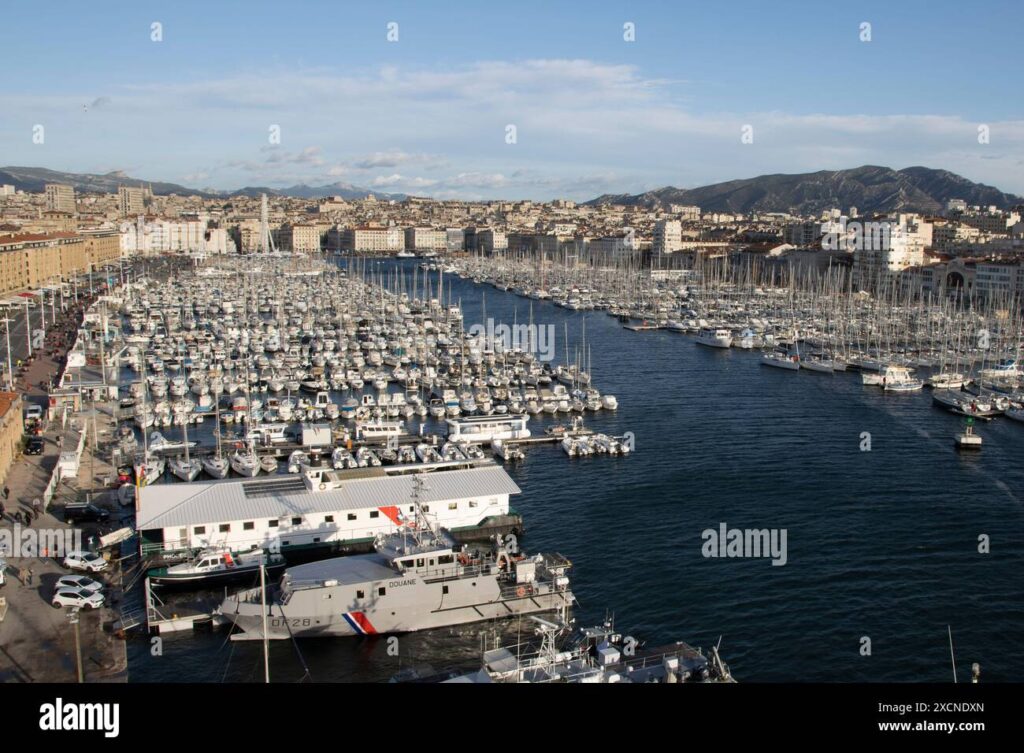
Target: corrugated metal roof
{"type": "Point", "coordinates": [198, 503]}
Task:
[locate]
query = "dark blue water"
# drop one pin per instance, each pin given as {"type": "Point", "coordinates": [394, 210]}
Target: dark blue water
{"type": "Point", "coordinates": [882, 544]}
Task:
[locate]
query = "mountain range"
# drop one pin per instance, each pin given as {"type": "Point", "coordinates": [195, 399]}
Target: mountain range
{"type": "Point", "coordinates": [34, 179]}
{"type": "Point", "coordinates": [869, 188]}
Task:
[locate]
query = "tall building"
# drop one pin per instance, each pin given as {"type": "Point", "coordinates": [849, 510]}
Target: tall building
{"type": "Point", "coordinates": [668, 236]}
{"type": "Point", "coordinates": [60, 198]}
{"type": "Point", "coordinates": [131, 201]}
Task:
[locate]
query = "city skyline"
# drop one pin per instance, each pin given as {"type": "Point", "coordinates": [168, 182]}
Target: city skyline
{"type": "Point", "coordinates": [428, 113]}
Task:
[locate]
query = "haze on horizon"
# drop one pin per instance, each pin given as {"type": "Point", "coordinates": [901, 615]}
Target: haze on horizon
{"type": "Point", "coordinates": [428, 113]}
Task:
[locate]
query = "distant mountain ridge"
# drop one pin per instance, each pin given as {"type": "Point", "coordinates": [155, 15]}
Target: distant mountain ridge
{"type": "Point", "coordinates": [869, 188]}
{"type": "Point", "coordinates": [34, 179]}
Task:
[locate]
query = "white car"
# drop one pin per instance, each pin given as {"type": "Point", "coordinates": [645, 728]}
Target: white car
{"type": "Point", "coordinates": [82, 582]}
{"type": "Point", "coordinates": [76, 597]}
{"type": "Point", "coordinates": [88, 561]}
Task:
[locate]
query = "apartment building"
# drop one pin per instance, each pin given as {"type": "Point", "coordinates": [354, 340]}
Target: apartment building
{"type": "Point", "coordinates": [299, 237]}
{"type": "Point", "coordinates": [102, 245]}
{"type": "Point", "coordinates": [11, 430]}
{"type": "Point", "coordinates": [28, 261]}
{"type": "Point", "coordinates": [381, 240]}
{"type": "Point", "coordinates": [426, 239]}
{"type": "Point", "coordinates": [667, 236]}
{"type": "Point", "coordinates": [60, 198]}
{"type": "Point", "coordinates": [131, 201]}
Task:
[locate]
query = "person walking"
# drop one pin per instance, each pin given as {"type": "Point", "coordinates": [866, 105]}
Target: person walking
{"type": "Point", "coordinates": [3, 510]}
{"type": "Point", "coordinates": [7, 492]}
{"type": "Point", "coordinates": [29, 571]}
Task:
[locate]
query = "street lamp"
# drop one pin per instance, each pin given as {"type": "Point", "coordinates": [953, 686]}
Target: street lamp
{"type": "Point", "coordinates": [7, 332]}
{"type": "Point", "coordinates": [73, 619]}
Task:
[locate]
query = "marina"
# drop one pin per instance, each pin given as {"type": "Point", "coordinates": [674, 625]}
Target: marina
{"type": "Point", "coordinates": [721, 390]}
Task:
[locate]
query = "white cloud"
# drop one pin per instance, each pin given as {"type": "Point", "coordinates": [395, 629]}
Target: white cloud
{"type": "Point", "coordinates": [583, 127]}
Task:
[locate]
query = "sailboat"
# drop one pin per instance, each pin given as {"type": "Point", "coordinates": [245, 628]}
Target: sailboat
{"type": "Point", "coordinates": [216, 465]}
{"type": "Point", "coordinates": [184, 467]}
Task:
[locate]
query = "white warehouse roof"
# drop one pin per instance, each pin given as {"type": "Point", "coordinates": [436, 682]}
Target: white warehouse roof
{"type": "Point", "coordinates": [196, 503]}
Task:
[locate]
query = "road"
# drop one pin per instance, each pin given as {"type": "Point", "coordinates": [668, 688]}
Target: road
{"type": "Point", "coordinates": [26, 332]}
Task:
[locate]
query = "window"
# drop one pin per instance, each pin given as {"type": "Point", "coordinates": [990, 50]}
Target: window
{"type": "Point", "coordinates": [328, 519]}
{"type": "Point", "coordinates": [412, 509]}
{"type": "Point", "coordinates": [296, 521]}
{"type": "Point", "coordinates": [407, 563]}
{"type": "Point", "coordinates": [374, 513]}
{"type": "Point", "coordinates": [426, 508]}
{"type": "Point", "coordinates": [381, 591]}
{"type": "Point", "coordinates": [272, 523]}
{"type": "Point", "coordinates": [248, 525]}
{"type": "Point", "coordinates": [444, 589]}
{"type": "Point", "coordinates": [472, 503]}
{"type": "Point", "coordinates": [225, 528]}
{"type": "Point", "coordinates": [453, 505]}
{"type": "Point", "coordinates": [419, 562]}
{"type": "Point", "coordinates": [316, 540]}
{"type": "Point", "coordinates": [351, 516]}
{"type": "Point", "coordinates": [199, 530]}
{"type": "Point", "coordinates": [445, 559]}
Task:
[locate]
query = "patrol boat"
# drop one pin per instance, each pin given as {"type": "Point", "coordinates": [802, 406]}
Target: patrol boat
{"type": "Point", "coordinates": [418, 578]}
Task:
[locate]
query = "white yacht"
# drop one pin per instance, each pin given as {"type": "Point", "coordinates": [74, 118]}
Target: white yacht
{"type": "Point", "coordinates": [714, 337]}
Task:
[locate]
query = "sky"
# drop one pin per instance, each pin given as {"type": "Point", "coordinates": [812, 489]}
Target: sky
{"type": "Point", "coordinates": [514, 100]}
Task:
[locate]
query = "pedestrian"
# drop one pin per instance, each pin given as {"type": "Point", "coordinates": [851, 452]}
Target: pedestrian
{"type": "Point", "coordinates": [17, 516]}
{"type": "Point", "coordinates": [3, 509]}
{"type": "Point", "coordinates": [30, 576]}
{"type": "Point", "coordinates": [7, 492]}
{"type": "Point", "coordinates": [37, 506]}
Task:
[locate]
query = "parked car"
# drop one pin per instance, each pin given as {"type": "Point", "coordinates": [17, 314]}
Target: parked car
{"type": "Point", "coordinates": [87, 513]}
{"type": "Point", "coordinates": [88, 561]}
{"type": "Point", "coordinates": [34, 446]}
{"type": "Point", "coordinates": [76, 597]}
{"type": "Point", "coordinates": [81, 582]}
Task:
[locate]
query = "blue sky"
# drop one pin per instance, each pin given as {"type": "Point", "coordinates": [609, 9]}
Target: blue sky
{"type": "Point", "coordinates": [427, 114]}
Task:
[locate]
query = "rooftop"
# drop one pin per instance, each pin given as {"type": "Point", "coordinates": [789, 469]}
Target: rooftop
{"type": "Point", "coordinates": [181, 504]}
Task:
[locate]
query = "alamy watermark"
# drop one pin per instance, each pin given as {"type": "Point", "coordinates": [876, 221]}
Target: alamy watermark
{"type": "Point", "coordinates": [19, 541]}
{"type": "Point", "coordinates": [536, 339]}
{"type": "Point", "coordinates": [854, 235]}
{"type": "Point", "coordinates": [746, 542]}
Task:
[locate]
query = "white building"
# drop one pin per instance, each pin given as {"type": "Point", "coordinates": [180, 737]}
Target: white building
{"type": "Point", "coordinates": [332, 512]}
{"type": "Point", "coordinates": [373, 239]}
{"type": "Point", "coordinates": [668, 236]}
{"type": "Point", "coordinates": [164, 236]}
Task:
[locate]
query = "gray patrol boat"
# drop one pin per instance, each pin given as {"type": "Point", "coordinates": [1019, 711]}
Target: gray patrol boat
{"type": "Point", "coordinates": [417, 579]}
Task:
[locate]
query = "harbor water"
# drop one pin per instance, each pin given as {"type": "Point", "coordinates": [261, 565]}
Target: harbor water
{"type": "Point", "coordinates": [891, 534]}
